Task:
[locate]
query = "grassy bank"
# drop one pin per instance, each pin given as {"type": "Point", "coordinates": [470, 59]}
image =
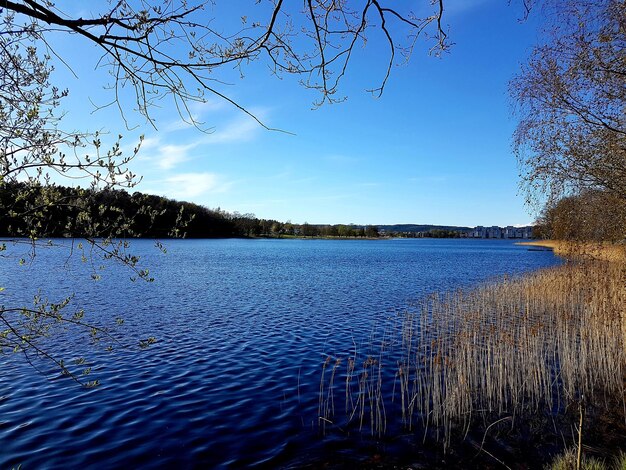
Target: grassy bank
{"type": "Point", "coordinates": [549, 344]}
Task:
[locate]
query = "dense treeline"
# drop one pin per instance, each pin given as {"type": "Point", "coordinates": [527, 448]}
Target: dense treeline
{"type": "Point", "coordinates": [56, 211]}
{"type": "Point", "coordinates": [431, 233]}
{"type": "Point", "coordinates": [440, 233]}
{"type": "Point", "coordinates": [591, 215]}
{"type": "Point", "coordinates": [571, 137]}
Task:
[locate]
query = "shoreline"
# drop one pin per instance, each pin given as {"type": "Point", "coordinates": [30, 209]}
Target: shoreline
{"type": "Point", "coordinates": [575, 300]}
{"type": "Point", "coordinates": [604, 251]}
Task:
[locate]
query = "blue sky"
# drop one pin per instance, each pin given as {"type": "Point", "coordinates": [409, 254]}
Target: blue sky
{"type": "Point", "coordinates": [435, 148]}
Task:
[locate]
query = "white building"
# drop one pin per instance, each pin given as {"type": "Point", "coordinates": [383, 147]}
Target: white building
{"type": "Point", "coordinates": [499, 232]}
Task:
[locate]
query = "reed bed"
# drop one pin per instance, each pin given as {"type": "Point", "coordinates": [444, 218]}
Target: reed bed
{"type": "Point", "coordinates": [606, 251]}
{"type": "Point", "coordinates": [521, 346]}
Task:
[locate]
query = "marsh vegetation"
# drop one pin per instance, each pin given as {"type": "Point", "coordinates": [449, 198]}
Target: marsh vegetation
{"type": "Point", "coordinates": [539, 345]}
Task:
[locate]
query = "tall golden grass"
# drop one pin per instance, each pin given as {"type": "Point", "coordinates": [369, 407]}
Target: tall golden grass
{"type": "Point", "coordinates": [520, 346]}
{"type": "Point", "coordinates": [606, 251]}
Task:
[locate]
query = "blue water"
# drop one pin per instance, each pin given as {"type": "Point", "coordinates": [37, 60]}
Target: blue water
{"type": "Point", "coordinates": [243, 327]}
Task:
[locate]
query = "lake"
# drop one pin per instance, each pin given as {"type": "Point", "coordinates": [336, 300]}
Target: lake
{"type": "Point", "coordinates": [243, 328]}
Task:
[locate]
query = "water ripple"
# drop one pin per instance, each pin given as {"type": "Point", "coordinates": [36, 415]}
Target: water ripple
{"type": "Point", "coordinates": [243, 328]}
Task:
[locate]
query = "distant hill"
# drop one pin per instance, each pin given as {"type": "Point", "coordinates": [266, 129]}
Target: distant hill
{"type": "Point", "coordinates": [414, 228]}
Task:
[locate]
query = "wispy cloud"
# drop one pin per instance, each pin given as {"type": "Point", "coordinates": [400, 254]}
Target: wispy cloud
{"type": "Point", "coordinates": [209, 105]}
{"type": "Point", "coordinates": [456, 7]}
{"type": "Point", "coordinates": [166, 156]}
{"type": "Point", "coordinates": [186, 186]}
{"type": "Point", "coordinates": [430, 179]}
{"type": "Point", "coordinates": [371, 184]}
{"type": "Point", "coordinates": [197, 114]}
{"type": "Point", "coordinates": [286, 178]}
{"type": "Point", "coordinates": [243, 128]}
{"type": "Point", "coordinates": [340, 159]}
{"type": "Point", "coordinates": [210, 116]}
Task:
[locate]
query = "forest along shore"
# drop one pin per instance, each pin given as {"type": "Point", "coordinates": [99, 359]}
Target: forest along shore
{"type": "Point", "coordinates": [517, 364]}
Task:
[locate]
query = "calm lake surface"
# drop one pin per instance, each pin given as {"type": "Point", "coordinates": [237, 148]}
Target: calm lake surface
{"type": "Point", "coordinates": [243, 327]}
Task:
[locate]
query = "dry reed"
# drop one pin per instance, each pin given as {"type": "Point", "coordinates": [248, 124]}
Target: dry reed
{"type": "Point", "coordinates": [523, 345]}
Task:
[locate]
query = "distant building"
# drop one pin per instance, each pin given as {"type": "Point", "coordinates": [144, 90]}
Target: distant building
{"type": "Point", "coordinates": [494, 232]}
{"type": "Point", "coordinates": [478, 232]}
{"type": "Point", "coordinates": [500, 232]}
